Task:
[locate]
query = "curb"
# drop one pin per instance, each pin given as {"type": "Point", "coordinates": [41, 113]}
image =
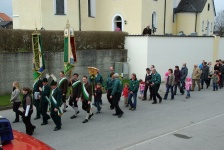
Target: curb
{"type": "Point", "coordinates": [5, 108]}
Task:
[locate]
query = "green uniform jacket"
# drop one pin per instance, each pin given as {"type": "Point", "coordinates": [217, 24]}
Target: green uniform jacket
{"type": "Point", "coordinates": [57, 96]}
{"type": "Point", "coordinates": [44, 93]}
{"type": "Point", "coordinates": [133, 85]}
{"type": "Point", "coordinates": [89, 90]}
{"type": "Point", "coordinates": [99, 79]}
{"type": "Point", "coordinates": [110, 83]}
{"type": "Point", "coordinates": [117, 87]}
{"type": "Point", "coordinates": [156, 78]}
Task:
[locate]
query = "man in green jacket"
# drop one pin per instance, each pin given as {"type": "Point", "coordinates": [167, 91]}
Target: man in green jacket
{"type": "Point", "coordinates": [45, 93]}
{"type": "Point", "coordinates": [116, 95]}
{"type": "Point", "coordinates": [109, 88]}
{"type": "Point", "coordinates": [155, 84]}
{"type": "Point", "coordinates": [133, 91]}
{"type": "Point", "coordinates": [36, 95]}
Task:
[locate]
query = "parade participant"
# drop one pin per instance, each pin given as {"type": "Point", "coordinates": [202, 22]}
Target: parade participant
{"type": "Point", "coordinates": [109, 87]}
{"type": "Point", "coordinates": [142, 88]}
{"type": "Point", "coordinates": [63, 86]}
{"type": "Point", "coordinates": [177, 82]}
{"type": "Point", "coordinates": [116, 95]}
{"type": "Point", "coordinates": [45, 93]}
{"type": "Point", "coordinates": [196, 77]}
{"type": "Point", "coordinates": [155, 84]}
{"type": "Point", "coordinates": [148, 77]}
{"type": "Point", "coordinates": [111, 71]}
{"type": "Point", "coordinates": [215, 80]}
{"type": "Point", "coordinates": [86, 98]}
{"type": "Point", "coordinates": [98, 97]}
{"type": "Point", "coordinates": [184, 73]}
{"type": "Point", "coordinates": [27, 104]}
{"type": "Point", "coordinates": [75, 93]}
{"type": "Point", "coordinates": [204, 75]}
{"type": "Point", "coordinates": [125, 94]}
{"type": "Point", "coordinates": [15, 99]}
{"type": "Point", "coordinates": [133, 91]}
{"type": "Point", "coordinates": [98, 79]}
{"type": "Point", "coordinates": [169, 84]}
{"type": "Point", "coordinates": [56, 100]}
{"type": "Point", "coordinates": [36, 94]}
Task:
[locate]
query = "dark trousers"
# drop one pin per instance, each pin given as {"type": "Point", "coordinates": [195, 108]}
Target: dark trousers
{"type": "Point", "coordinates": [155, 89]}
{"type": "Point", "coordinates": [116, 99]}
{"type": "Point", "coordinates": [44, 107]}
{"type": "Point", "coordinates": [147, 86]}
{"type": "Point", "coordinates": [110, 99]}
{"type": "Point", "coordinates": [221, 80]}
{"type": "Point", "coordinates": [86, 106]}
{"type": "Point", "coordinates": [177, 84]}
{"type": "Point", "coordinates": [27, 122]}
{"type": "Point", "coordinates": [73, 102]}
{"type": "Point", "coordinates": [37, 105]}
{"type": "Point", "coordinates": [183, 84]}
{"type": "Point", "coordinates": [204, 81]}
{"type": "Point", "coordinates": [168, 88]}
{"type": "Point", "coordinates": [98, 104]}
{"type": "Point", "coordinates": [56, 118]}
{"type": "Point", "coordinates": [16, 109]}
{"type": "Point", "coordinates": [134, 103]}
{"type": "Point", "coordinates": [215, 86]}
{"type": "Point", "coordinates": [63, 98]}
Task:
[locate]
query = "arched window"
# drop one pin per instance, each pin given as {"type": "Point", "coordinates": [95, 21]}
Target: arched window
{"type": "Point", "coordinates": [117, 23]}
{"type": "Point", "coordinates": [203, 26]}
{"type": "Point", "coordinates": [154, 20]}
{"type": "Point", "coordinates": [208, 6]}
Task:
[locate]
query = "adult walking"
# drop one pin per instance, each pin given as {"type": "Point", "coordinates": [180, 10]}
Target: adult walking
{"type": "Point", "coordinates": [170, 84]}
{"type": "Point", "coordinates": [76, 85]}
{"type": "Point", "coordinates": [45, 94]}
{"type": "Point", "coordinates": [155, 84]}
{"type": "Point", "coordinates": [204, 75]}
{"type": "Point", "coordinates": [63, 86]}
{"type": "Point", "coordinates": [109, 88]}
{"type": "Point", "coordinates": [196, 77]}
{"type": "Point", "coordinates": [221, 74]}
{"type": "Point", "coordinates": [36, 94]}
{"type": "Point", "coordinates": [211, 72]}
{"type": "Point", "coordinates": [177, 75]}
{"type": "Point", "coordinates": [15, 100]}
{"type": "Point", "coordinates": [27, 104]}
{"type": "Point", "coordinates": [148, 77]}
{"type": "Point", "coordinates": [116, 95]}
{"type": "Point", "coordinates": [184, 73]}
{"type": "Point", "coordinates": [111, 71]}
{"type": "Point", "coordinates": [133, 91]}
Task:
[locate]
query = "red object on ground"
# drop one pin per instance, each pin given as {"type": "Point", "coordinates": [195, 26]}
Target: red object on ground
{"type": "Point", "coordinates": [25, 142]}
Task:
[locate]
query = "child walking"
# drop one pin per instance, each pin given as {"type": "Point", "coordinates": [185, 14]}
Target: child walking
{"type": "Point", "coordinates": [188, 84]}
{"type": "Point", "coordinates": [98, 97]}
{"type": "Point", "coordinates": [142, 88]}
{"type": "Point", "coordinates": [215, 81]}
{"type": "Point", "coordinates": [125, 94]}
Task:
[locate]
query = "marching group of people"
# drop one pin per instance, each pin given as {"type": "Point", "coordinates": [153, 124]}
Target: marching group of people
{"type": "Point", "coordinates": [52, 97]}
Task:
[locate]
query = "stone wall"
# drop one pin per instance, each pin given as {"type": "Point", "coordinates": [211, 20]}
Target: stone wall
{"type": "Point", "coordinates": [18, 66]}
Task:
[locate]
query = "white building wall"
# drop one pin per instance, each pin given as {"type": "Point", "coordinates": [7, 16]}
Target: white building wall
{"type": "Point", "coordinates": [167, 52]}
{"type": "Point", "coordinates": [221, 48]}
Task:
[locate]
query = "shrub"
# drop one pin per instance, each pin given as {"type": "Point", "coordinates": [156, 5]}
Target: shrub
{"type": "Point", "coordinates": [20, 40]}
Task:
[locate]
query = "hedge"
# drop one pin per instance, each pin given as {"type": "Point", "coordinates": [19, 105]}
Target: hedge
{"type": "Point", "coordinates": [20, 40]}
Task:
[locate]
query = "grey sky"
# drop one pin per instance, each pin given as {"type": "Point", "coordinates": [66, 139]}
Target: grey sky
{"type": "Point", "coordinates": [6, 6]}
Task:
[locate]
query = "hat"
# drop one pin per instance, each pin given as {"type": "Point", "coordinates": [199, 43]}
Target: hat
{"type": "Point", "coordinates": [53, 83]}
{"type": "Point", "coordinates": [44, 80]}
{"type": "Point", "coordinates": [116, 75]}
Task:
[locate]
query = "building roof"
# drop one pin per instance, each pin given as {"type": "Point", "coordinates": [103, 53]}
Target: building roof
{"type": "Point", "coordinates": [192, 6]}
{"type": "Point", "coordinates": [5, 17]}
{"type": "Point", "coordinates": [5, 24]}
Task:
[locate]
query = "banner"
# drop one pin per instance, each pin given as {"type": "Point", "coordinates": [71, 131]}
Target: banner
{"type": "Point", "coordinates": [69, 49]}
{"type": "Point", "coordinates": [38, 58]}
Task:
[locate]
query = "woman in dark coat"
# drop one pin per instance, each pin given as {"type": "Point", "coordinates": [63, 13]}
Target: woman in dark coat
{"type": "Point", "coordinates": [27, 104]}
{"type": "Point", "coordinates": [204, 75]}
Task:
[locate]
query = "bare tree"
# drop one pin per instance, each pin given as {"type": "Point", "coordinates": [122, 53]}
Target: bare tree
{"type": "Point", "coordinates": [219, 23]}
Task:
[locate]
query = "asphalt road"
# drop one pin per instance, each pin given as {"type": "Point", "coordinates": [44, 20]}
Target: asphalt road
{"type": "Point", "coordinates": [181, 124]}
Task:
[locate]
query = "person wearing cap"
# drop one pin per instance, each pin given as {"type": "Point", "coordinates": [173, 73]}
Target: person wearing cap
{"type": "Point", "coordinates": [36, 95]}
{"type": "Point", "coordinates": [86, 98]}
{"type": "Point", "coordinates": [76, 85]}
{"type": "Point", "coordinates": [63, 86]}
{"type": "Point", "coordinates": [45, 93]}
{"type": "Point", "coordinates": [116, 95]}
{"type": "Point", "coordinates": [155, 84]}
{"type": "Point", "coordinates": [56, 100]}
{"type": "Point", "coordinates": [133, 91]}
{"type": "Point", "coordinates": [148, 77]}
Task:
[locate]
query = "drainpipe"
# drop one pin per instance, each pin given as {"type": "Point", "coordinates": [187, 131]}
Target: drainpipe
{"type": "Point", "coordinates": [80, 23]}
{"type": "Point", "coordinates": [196, 20]}
{"type": "Point", "coordinates": [164, 30]}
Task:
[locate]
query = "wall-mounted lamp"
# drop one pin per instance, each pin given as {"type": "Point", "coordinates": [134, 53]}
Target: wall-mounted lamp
{"type": "Point", "coordinates": [125, 21]}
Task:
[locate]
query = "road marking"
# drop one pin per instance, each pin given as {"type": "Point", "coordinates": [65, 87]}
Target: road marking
{"type": "Point", "coordinates": [163, 135]}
